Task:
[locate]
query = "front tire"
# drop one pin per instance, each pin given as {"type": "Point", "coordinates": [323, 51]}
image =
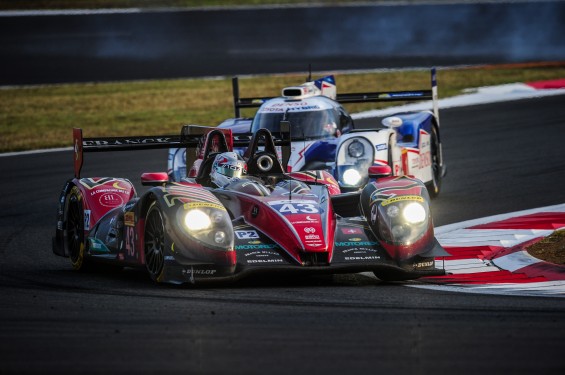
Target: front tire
{"type": "Point", "coordinates": [434, 186]}
{"type": "Point", "coordinates": [74, 240]}
{"type": "Point", "coordinates": [154, 243]}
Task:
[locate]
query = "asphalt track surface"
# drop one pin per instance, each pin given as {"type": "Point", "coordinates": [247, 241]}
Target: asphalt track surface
{"type": "Point", "coordinates": [502, 157]}
{"type": "Point", "coordinates": [171, 44]}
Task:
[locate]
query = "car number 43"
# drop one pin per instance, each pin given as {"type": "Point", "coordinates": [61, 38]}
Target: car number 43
{"type": "Point", "coordinates": [297, 208]}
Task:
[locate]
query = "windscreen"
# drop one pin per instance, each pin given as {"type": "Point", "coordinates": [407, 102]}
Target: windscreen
{"type": "Point", "coordinates": [305, 125]}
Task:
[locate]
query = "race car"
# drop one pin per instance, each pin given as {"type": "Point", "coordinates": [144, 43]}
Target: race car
{"type": "Point", "coordinates": [241, 215]}
{"type": "Point", "coordinates": [325, 136]}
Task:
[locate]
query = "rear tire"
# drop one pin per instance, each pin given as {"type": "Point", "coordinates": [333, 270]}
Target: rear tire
{"type": "Point", "coordinates": [154, 243]}
{"type": "Point", "coordinates": [434, 186]}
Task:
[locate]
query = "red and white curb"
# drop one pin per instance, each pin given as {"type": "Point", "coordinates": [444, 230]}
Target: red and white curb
{"type": "Point", "coordinates": [488, 255]}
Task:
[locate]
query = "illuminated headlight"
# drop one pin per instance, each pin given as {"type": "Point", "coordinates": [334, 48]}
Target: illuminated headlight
{"type": "Point", "coordinates": [414, 213]}
{"type": "Point", "coordinates": [351, 177]}
{"type": "Point", "coordinates": [197, 220]}
{"type": "Point", "coordinates": [356, 149]}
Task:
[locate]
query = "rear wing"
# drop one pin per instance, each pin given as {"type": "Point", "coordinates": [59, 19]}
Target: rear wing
{"type": "Point", "coordinates": [365, 97]}
{"type": "Point", "coordinates": [185, 139]}
{"type": "Point", "coordinates": [199, 142]}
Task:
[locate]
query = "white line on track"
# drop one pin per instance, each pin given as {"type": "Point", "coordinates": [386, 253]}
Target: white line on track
{"type": "Point", "coordinates": [81, 12]}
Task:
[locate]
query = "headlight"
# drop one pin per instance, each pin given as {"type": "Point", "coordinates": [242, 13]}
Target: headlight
{"type": "Point", "coordinates": [414, 213]}
{"type": "Point", "coordinates": [402, 219]}
{"type": "Point", "coordinates": [206, 223]}
{"type": "Point", "coordinates": [353, 158]}
{"type": "Point", "coordinates": [197, 220]}
{"type": "Point", "coordinates": [351, 177]}
{"type": "Point", "coordinates": [356, 149]}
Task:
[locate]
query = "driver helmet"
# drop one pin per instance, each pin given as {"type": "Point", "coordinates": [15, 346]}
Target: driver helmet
{"type": "Point", "coordinates": [227, 165]}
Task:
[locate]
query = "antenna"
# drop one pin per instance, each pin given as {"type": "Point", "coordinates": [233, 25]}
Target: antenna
{"type": "Point", "coordinates": [309, 79]}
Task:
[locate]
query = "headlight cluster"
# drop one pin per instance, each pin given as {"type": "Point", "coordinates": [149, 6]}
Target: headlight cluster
{"type": "Point", "coordinates": [208, 224]}
{"type": "Point", "coordinates": [404, 220]}
{"type": "Point", "coordinates": [354, 157]}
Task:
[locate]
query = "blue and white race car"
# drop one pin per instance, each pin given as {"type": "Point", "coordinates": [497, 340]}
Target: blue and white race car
{"type": "Point", "coordinates": [324, 136]}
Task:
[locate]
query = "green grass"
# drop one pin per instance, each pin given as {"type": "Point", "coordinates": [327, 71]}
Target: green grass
{"type": "Point", "coordinates": [43, 116]}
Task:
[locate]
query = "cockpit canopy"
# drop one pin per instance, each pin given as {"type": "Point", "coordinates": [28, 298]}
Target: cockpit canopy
{"type": "Point", "coordinates": [312, 118]}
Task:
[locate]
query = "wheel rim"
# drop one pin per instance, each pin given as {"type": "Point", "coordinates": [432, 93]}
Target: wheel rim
{"type": "Point", "coordinates": [154, 243]}
{"type": "Point", "coordinates": [75, 232]}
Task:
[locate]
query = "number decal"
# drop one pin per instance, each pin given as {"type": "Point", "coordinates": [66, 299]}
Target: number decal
{"type": "Point", "coordinates": [87, 219]}
{"type": "Point", "coordinates": [130, 241]}
{"type": "Point", "coordinates": [296, 208]}
{"type": "Point", "coordinates": [246, 234]}
{"type": "Point", "coordinates": [307, 208]}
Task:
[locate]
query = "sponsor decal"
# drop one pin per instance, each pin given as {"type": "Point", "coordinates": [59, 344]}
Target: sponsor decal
{"type": "Point", "coordinates": [97, 246]}
{"type": "Point", "coordinates": [309, 220]}
{"type": "Point", "coordinates": [110, 200]}
{"type": "Point", "coordinates": [264, 261]}
{"type": "Point", "coordinates": [351, 230]}
{"type": "Point", "coordinates": [192, 271]}
{"type": "Point", "coordinates": [360, 243]}
{"type": "Point", "coordinates": [191, 205]}
{"type": "Point", "coordinates": [126, 141]}
{"type": "Point", "coordinates": [181, 194]}
{"type": "Point", "coordinates": [262, 253]}
{"type": "Point", "coordinates": [368, 257]}
{"type": "Point", "coordinates": [129, 219]}
{"type": "Point", "coordinates": [360, 250]}
{"type": "Point", "coordinates": [256, 247]}
{"type": "Point", "coordinates": [310, 237]}
{"type": "Point", "coordinates": [402, 198]}
{"type": "Point", "coordinates": [425, 160]}
{"type": "Point", "coordinates": [425, 264]}
{"type": "Point", "coordinates": [381, 147]}
{"type": "Point", "coordinates": [246, 234]}
{"type": "Point", "coordinates": [356, 239]}
{"type": "Point", "coordinates": [108, 190]}
{"type": "Point", "coordinates": [309, 230]}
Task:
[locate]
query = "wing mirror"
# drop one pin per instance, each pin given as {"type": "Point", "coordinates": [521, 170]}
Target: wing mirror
{"type": "Point", "coordinates": [154, 178]}
{"type": "Point", "coordinates": [378, 171]}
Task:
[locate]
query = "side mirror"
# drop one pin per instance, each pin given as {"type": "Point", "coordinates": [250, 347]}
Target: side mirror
{"type": "Point", "coordinates": [392, 122]}
{"type": "Point", "coordinates": [154, 178]}
{"type": "Point", "coordinates": [378, 171]}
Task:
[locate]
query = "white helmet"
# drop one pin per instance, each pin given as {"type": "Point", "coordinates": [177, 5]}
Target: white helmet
{"type": "Point", "coordinates": [227, 165]}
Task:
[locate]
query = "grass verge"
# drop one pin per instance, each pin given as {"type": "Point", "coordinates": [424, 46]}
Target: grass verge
{"type": "Point", "coordinates": [550, 249]}
{"type": "Point", "coordinates": [36, 117]}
